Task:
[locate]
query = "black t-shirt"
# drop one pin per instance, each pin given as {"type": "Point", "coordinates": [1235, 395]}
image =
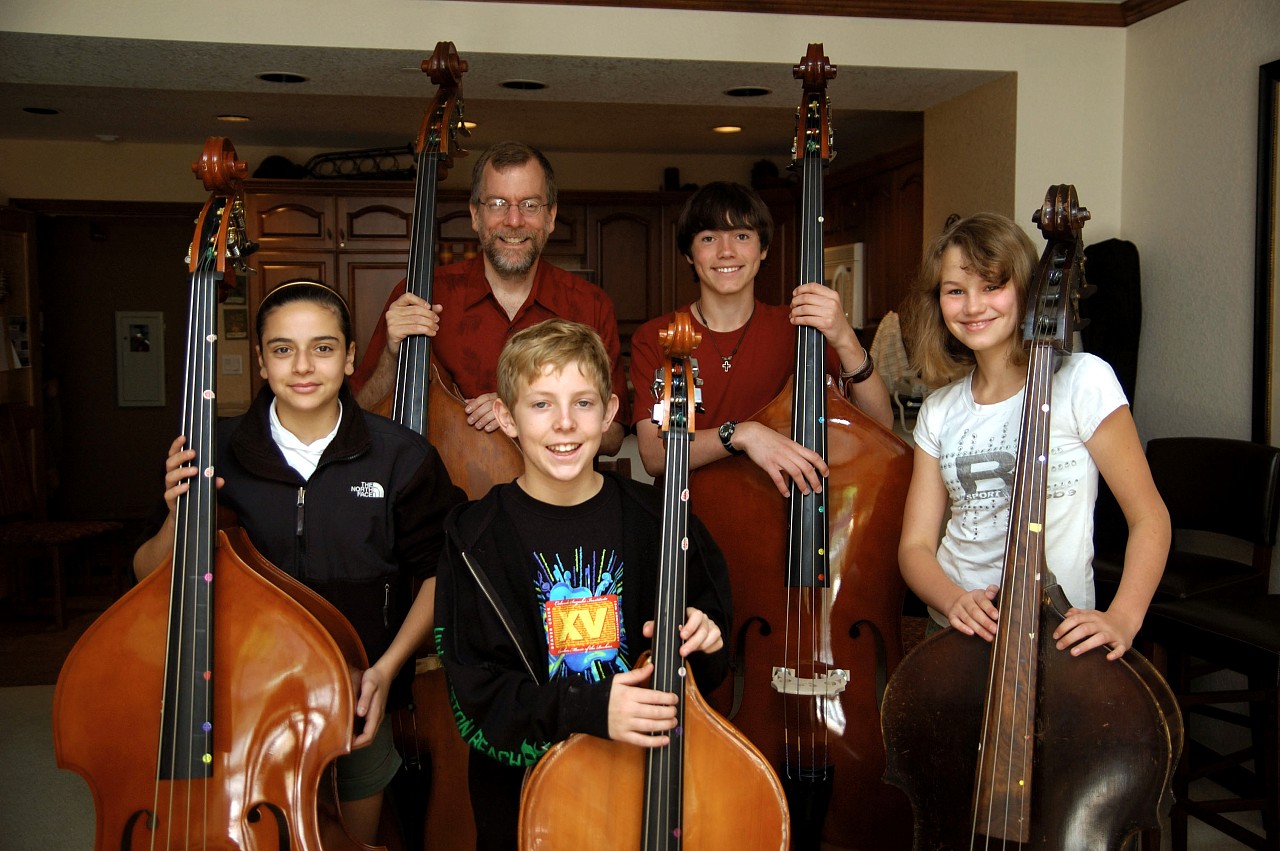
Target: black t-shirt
{"type": "Point", "coordinates": [578, 572]}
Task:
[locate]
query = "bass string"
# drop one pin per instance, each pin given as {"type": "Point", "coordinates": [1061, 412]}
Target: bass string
{"type": "Point", "coordinates": [663, 797]}
{"type": "Point", "coordinates": [1022, 619]}
{"type": "Point", "coordinates": [806, 565]}
{"type": "Point", "coordinates": [409, 406]}
{"type": "Point", "coordinates": [191, 566]}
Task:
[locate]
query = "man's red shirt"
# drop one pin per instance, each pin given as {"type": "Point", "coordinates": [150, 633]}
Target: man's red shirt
{"type": "Point", "coordinates": [474, 327]}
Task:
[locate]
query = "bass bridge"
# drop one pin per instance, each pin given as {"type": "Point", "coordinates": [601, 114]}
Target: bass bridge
{"type": "Point", "coordinates": [829, 684]}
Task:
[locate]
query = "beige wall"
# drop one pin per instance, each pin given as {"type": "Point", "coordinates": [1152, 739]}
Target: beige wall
{"type": "Point", "coordinates": [1076, 72]}
{"type": "Point", "coordinates": [1190, 139]}
{"type": "Point", "coordinates": [970, 153]}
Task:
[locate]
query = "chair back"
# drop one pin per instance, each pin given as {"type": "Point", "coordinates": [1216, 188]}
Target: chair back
{"type": "Point", "coordinates": [1228, 487]}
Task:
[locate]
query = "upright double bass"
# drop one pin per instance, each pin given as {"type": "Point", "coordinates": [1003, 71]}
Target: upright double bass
{"type": "Point", "coordinates": [1016, 744]}
{"type": "Point", "coordinates": [205, 706]}
{"type": "Point", "coordinates": [424, 397]}
{"type": "Point", "coordinates": [708, 789]}
{"type": "Point", "coordinates": [816, 587]}
{"type": "Point", "coordinates": [425, 400]}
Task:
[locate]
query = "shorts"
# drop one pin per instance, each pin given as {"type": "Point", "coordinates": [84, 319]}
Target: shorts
{"type": "Point", "coordinates": [366, 771]}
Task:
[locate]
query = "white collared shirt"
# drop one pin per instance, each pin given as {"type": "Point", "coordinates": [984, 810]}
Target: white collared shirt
{"type": "Point", "coordinates": [303, 457]}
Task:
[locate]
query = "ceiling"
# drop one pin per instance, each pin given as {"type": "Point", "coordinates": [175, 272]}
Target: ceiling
{"type": "Point", "coordinates": [169, 92]}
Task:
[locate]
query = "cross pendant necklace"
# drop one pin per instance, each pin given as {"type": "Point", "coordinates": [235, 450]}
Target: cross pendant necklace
{"type": "Point", "coordinates": [726, 361]}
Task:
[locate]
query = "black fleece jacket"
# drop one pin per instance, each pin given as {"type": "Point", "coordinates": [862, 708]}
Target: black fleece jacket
{"type": "Point", "coordinates": [369, 518]}
{"type": "Point", "coordinates": [496, 656]}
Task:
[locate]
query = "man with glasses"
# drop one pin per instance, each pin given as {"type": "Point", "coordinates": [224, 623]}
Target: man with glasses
{"type": "Point", "coordinates": [481, 302]}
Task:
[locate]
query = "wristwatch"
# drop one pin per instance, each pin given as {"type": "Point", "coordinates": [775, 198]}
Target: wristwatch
{"type": "Point", "coordinates": [726, 437]}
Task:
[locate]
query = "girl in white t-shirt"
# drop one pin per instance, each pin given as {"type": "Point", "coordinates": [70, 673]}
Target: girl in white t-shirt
{"type": "Point", "coordinates": [965, 321]}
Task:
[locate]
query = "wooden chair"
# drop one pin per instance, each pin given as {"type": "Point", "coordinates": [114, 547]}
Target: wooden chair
{"type": "Point", "coordinates": [26, 535]}
{"type": "Point", "coordinates": [1229, 488]}
{"type": "Point", "coordinates": [889, 352]}
{"type": "Point", "coordinates": [1236, 631]}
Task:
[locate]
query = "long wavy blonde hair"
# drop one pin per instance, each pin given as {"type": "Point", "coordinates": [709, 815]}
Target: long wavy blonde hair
{"type": "Point", "coordinates": [997, 250]}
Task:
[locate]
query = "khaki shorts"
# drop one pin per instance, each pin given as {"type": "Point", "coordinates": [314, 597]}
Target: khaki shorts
{"type": "Point", "coordinates": [367, 771]}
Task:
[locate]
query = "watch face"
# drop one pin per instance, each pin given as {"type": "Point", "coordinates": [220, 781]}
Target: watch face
{"type": "Point", "coordinates": [726, 437]}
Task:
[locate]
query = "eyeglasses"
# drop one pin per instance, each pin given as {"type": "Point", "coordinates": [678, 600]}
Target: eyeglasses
{"type": "Point", "coordinates": [528, 207]}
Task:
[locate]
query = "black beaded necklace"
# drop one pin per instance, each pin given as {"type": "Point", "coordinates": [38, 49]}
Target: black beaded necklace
{"type": "Point", "coordinates": [726, 361]}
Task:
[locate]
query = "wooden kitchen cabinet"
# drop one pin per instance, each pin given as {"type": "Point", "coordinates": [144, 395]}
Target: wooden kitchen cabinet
{"type": "Point", "coordinates": [293, 220]}
{"type": "Point", "coordinates": [624, 248]}
{"type": "Point", "coordinates": [365, 279]}
{"type": "Point", "coordinates": [354, 236]}
{"type": "Point", "coordinates": [880, 203]}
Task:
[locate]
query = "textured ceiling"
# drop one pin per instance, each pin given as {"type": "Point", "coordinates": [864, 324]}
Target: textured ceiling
{"type": "Point", "coordinates": [167, 91]}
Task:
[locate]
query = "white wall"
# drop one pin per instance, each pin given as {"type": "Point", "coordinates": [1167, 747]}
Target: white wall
{"type": "Point", "coordinates": [1190, 136]}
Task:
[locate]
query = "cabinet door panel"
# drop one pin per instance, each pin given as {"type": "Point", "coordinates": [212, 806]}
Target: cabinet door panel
{"type": "Point", "coordinates": [624, 248]}
{"type": "Point", "coordinates": [569, 236]}
{"type": "Point", "coordinates": [368, 279]}
{"type": "Point", "coordinates": [279, 267]}
{"type": "Point", "coordinates": [374, 222]}
{"type": "Point", "coordinates": [456, 237]}
{"type": "Point", "coordinates": [908, 218]}
{"type": "Point", "coordinates": [300, 221]}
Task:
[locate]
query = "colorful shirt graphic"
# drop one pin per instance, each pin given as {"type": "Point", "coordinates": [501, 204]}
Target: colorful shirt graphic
{"type": "Point", "coordinates": [582, 614]}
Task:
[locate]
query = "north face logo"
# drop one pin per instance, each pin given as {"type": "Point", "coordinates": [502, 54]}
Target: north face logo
{"type": "Point", "coordinates": [369, 490]}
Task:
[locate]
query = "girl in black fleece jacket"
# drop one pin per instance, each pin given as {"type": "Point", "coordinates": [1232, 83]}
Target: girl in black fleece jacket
{"type": "Point", "coordinates": [348, 502]}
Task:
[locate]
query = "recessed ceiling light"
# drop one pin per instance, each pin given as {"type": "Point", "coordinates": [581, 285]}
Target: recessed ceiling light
{"type": "Point", "coordinates": [234, 119]}
{"type": "Point", "coordinates": [523, 85]}
{"type": "Point", "coordinates": [41, 110]}
{"type": "Point", "coordinates": [281, 77]}
{"type": "Point", "coordinates": [727, 128]}
{"type": "Point", "coordinates": [748, 92]}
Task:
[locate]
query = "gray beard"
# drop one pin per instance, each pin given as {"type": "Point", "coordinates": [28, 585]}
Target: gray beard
{"type": "Point", "coordinates": [507, 264]}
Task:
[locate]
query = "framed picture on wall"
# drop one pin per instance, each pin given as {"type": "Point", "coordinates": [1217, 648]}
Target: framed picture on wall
{"type": "Point", "coordinates": [235, 323]}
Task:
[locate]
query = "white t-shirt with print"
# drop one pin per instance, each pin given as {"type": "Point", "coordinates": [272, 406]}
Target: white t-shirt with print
{"type": "Point", "coordinates": [976, 447]}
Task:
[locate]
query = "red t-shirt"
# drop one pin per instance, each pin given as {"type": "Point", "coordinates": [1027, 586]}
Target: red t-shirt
{"type": "Point", "coordinates": [474, 327]}
{"type": "Point", "coordinates": [764, 360]}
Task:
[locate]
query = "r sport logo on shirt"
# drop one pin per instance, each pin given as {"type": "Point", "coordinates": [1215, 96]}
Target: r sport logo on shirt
{"type": "Point", "coordinates": [368, 490]}
{"type": "Point", "coordinates": [986, 474]}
